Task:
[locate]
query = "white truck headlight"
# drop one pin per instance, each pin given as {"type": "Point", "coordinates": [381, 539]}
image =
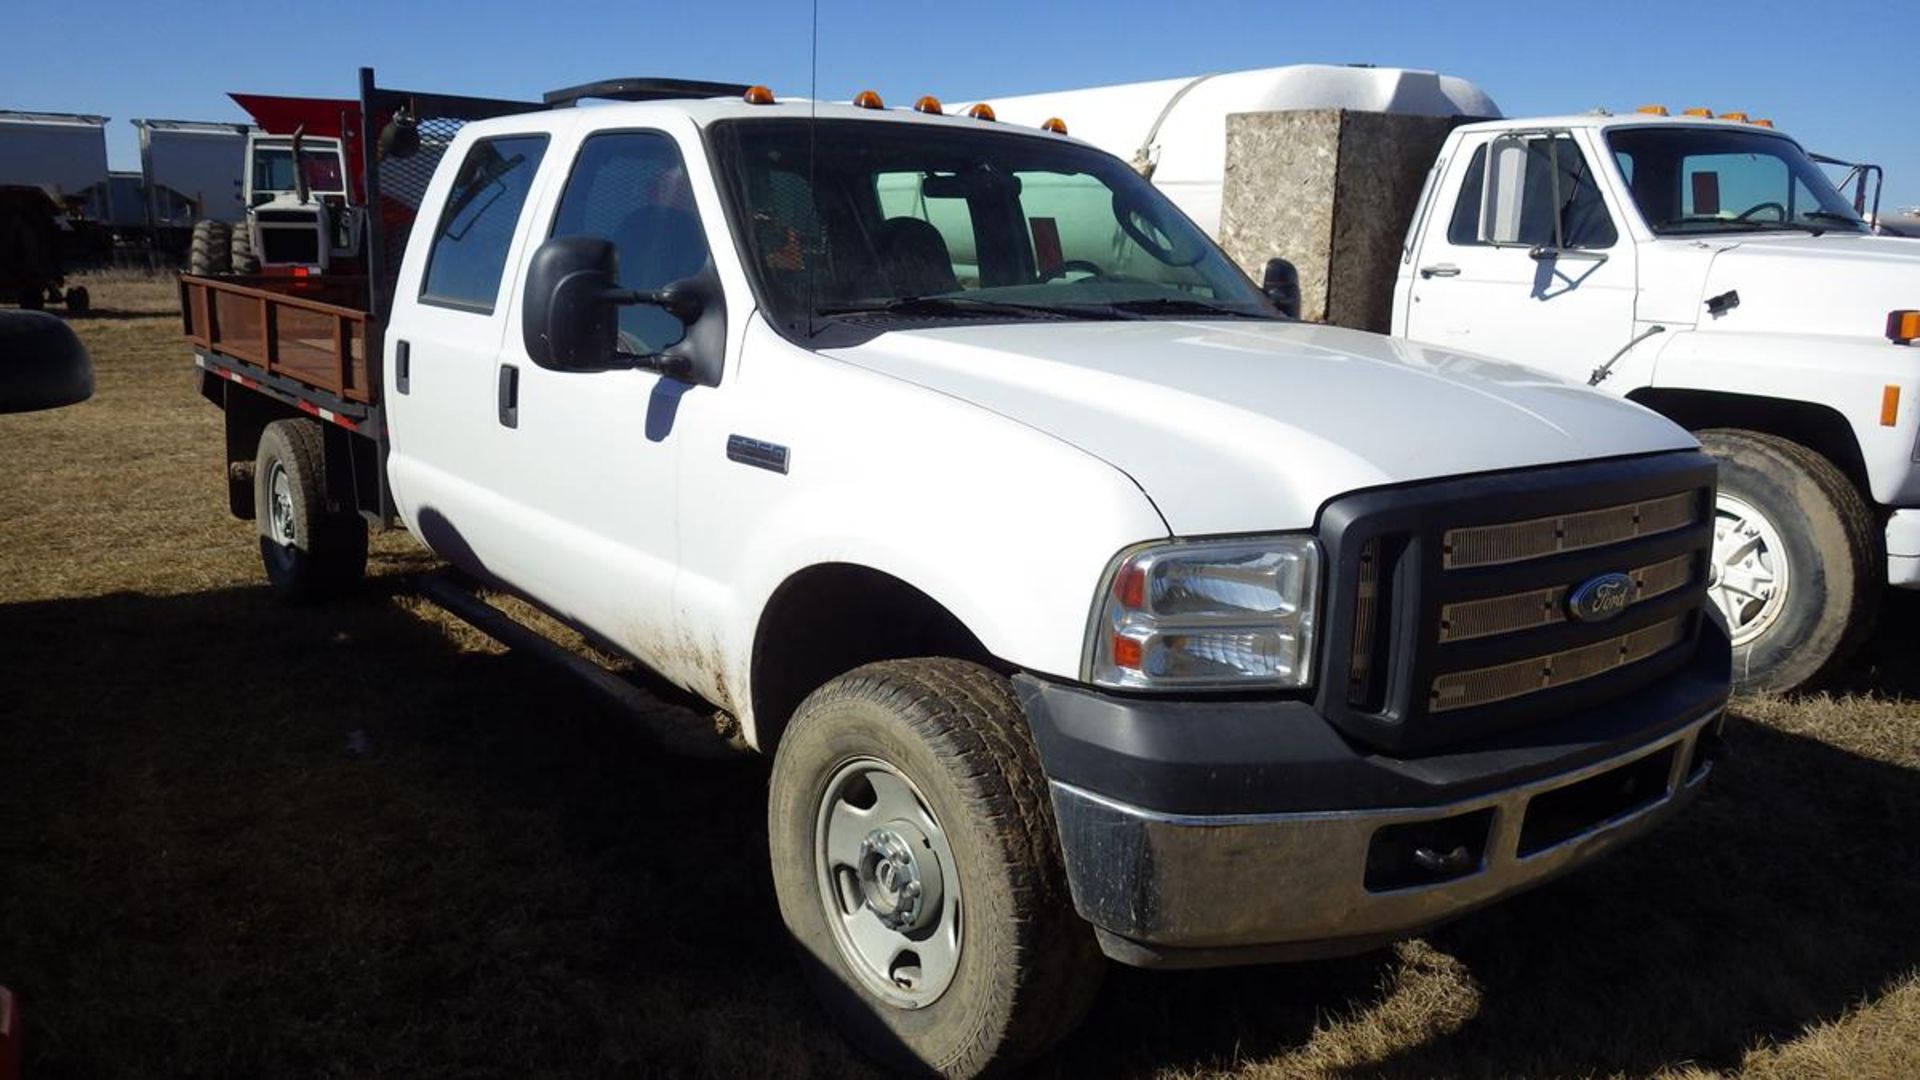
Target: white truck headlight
{"type": "Point", "coordinates": [1208, 615]}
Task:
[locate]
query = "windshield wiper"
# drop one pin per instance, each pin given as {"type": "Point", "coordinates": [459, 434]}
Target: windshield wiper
{"type": "Point", "coordinates": [1180, 305]}
{"type": "Point", "coordinates": [958, 305]}
{"type": "Point", "coordinates": [1736, 224]}
{"type": "Point", "coordinates": [1829, 215]}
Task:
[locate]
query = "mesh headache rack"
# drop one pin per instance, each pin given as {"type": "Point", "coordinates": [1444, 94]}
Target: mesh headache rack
{"type": "Point", "coordinates": [642, 90]}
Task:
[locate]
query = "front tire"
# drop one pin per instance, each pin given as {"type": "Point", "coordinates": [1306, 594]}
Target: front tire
{"type": "Point", "coordinates": [917, 866]}
{"type": "Point", "coordinates": [1796, 560]}
{"type": "Point", "coordinates": [311, 552]}
{"type": "Point", "coordinates": [209, 252]}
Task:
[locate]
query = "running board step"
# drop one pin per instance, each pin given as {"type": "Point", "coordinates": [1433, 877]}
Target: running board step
{"type": "Point", "coordinates": [670, 727]}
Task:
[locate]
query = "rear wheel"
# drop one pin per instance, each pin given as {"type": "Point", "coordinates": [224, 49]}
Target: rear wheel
{"type": "Point", "coordinates": [311, 551]}
{"type": "Point", "coordinates": [209, 251]}
{"type": "Point", "coordinates": [1796, 560]}
{"type": "Point", "coordinates": [78, 300]}
{"type": "Point", "coordinates": [917, 867]}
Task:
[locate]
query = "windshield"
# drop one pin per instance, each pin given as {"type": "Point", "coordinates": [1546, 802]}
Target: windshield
{"type": "Point", "coordinates": [1689, 179]}
{"type": "Point", "coordinates": [273, 169]}
{"type": "Point", "coordinates": [921, 221]}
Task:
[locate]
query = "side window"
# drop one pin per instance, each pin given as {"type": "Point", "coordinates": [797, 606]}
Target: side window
{"type": "Point", "coordinates": [631, 187]}
{"type": "Point", "coordinates": [1584, 220]}
{"type": "Point", "coordinates": [469, 250]}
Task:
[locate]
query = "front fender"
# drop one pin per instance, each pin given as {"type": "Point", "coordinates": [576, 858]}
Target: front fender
{"type": "Point", "coordinates": [1850, 375]}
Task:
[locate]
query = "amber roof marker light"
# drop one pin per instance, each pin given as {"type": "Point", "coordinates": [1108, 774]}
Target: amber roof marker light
{"type": "Point", "coordinates": [982, 111]}
{"type": "Point", "coordinates": [1055, 125]}
{"type": "Point", "coordinates": [757, 95]}
{"type": "Point", "coordinates": [867, 99]}
{"type": "Point", "coordinates": [928, 104]}
{"type": "Point", "coordinates": [1653, 110]}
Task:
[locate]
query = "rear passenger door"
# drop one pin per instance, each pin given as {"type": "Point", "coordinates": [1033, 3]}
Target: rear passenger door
{"type": "Point", "coordinates": [443, 342]}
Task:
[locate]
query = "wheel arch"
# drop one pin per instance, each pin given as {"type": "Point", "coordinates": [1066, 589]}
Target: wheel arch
{"type": "Point", "coordinates": [827, 619]}
{"type": "Point", "coordinates": [1819, 428]}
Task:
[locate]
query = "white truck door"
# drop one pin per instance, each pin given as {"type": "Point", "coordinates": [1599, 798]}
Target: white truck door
{"type": "Point", "coordinates": [590, 478]}
{"type": "Point", "coordinates": [1531, 264]}
{"type": "Point", "coordinates": [442, 342]}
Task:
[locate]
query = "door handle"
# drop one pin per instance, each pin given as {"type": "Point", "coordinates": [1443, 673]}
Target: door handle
{"type": "Point", "coordinates": [1440, 270]}
{"type": "Point", "coordinates": [402, 366]}
{"type": "Point", "coordinates": [509, 396]}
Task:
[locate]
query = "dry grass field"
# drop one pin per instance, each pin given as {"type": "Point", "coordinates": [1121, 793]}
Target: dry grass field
{"type": "Point", "coordinates": [238, 840]}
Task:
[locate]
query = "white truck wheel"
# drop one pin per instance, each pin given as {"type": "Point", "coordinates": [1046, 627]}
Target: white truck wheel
{"type": "Point", "coordinates": [1795, 566]}
{"type": "Point", "coordinates": [917, 867]}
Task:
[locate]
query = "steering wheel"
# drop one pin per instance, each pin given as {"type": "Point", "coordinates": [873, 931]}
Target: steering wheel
{"type": "Point", "coordinates": [1061, 269]}
{"type": "Point", "coordinates": [1757, 207]}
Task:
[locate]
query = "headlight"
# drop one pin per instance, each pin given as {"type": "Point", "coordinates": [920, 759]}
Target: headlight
{"type": "Point", "coordinates": [1215, 614]}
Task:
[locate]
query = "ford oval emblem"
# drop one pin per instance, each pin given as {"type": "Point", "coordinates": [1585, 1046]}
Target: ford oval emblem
{"type": "Point", "coordinates": [1599, 599]}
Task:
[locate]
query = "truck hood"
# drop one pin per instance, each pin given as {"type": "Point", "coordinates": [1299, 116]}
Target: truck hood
{"type": "Point", "coordinates": [1837, 283]}
{"type": "Point", "coordinates": [1251, 426]}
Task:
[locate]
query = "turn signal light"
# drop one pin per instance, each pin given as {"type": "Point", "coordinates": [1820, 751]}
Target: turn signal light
{"type": "Point", "coordinates": [982, 111]}
{"type": "Point", "coordinates": [1653, 110]}
{"type": "Point", "coordinates": [1903, 326]}
{"type": "Point", "coordinates": [1055, 125]}
{"type": "Point", "coordinates": [758, 95]}
{"type": "Point", "coordinates": [1708, 113]}
{"type": "Point", "coordinates": [928, 104]}
{"type": "Point", "coordinates": [1889, 405]}
{"type": "Point", "coordinates": [867, 99]}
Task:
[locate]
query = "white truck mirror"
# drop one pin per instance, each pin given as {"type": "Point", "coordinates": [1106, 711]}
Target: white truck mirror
{"type": "Point", "coordinates": [1506, 182]}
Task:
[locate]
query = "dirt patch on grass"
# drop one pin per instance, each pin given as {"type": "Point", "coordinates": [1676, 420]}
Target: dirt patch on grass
{"type": "Point", "coordinates": [240, 840]}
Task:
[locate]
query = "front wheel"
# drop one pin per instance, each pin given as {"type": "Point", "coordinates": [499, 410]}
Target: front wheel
{"type": "Point", "coordinates": [917, 867]}
{"type": "Point", "coordinates": [1796, 560]}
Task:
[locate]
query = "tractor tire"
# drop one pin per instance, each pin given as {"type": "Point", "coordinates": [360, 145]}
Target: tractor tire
{"type": "Point", "coordinates": [1798, 561]}
{"type": "Point", "coordinates": [918, 867]}
{"type": "Point", "coordinates": [311, 550]}
{"type": "Point", "coordinates": [240, 257]}
{"type": "Point", "coordinates": [208, 253]}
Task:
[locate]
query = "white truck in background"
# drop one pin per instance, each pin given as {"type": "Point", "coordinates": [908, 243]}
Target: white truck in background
{"type": "Point", "coordinates": [1703, 267]}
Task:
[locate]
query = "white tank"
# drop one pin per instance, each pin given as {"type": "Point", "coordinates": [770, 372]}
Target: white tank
{"type": "Point", "coordinates": [1175, 130]}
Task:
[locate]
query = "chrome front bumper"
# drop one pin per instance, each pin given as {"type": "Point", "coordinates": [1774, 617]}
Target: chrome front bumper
{"type": "Point", "coordinates": [1172, 890]}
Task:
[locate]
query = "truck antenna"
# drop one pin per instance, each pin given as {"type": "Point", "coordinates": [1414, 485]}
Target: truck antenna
{"type": "Point", "coordinates": [813, 119]}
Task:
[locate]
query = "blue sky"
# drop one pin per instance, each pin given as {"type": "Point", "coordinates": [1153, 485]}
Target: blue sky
{"type": "Point", "coordinates": [1823, 72]}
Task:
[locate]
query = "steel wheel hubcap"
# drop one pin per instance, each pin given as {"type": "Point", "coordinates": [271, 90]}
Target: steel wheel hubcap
{"type": "Point", "coordinates": [886, 880]}
{"type": "Point", "coordinates": [1748, 579]}
{"type": "Point", "coordinates": [280, 526]}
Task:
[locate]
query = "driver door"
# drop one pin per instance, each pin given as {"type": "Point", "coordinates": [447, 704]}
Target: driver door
{"type": "Point", "coordinates": [1563, 310]}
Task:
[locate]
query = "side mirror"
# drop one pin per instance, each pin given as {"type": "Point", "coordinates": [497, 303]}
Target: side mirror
{"type": "Point", "coordinates": [1505, 186]}
{"type": "Point", "coordinates": [1281, 283]}
{"type": "Point", "coordinates": [570, 316]}
{"type": "Point", "coordinates": [42, 363]}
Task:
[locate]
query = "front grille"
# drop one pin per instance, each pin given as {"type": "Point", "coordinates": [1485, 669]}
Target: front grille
{"type": "Point", "coordinates": [1467, 619]}
{"type": "Point", "coordinates": [1449, 603]}
{"type": "Point", "coordinates": [1489, 545]}
{"type": "Point", "coordinates": [1482, 686]}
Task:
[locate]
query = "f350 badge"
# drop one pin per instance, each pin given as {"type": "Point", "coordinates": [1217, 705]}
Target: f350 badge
{"type": "Point", "coordinates": [1599, 599]}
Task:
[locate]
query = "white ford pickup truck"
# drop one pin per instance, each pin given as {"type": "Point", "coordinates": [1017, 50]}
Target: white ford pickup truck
{"type": "Point", "coordinates": [1062, 583]}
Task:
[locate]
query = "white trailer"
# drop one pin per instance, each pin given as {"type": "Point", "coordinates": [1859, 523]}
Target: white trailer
{"type": "Point", "coordinates": [62, 154]}
{"type": "Point", "coordinates": [201, 162]}
{"type": "Point", "coordinates": [1174, 131]}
